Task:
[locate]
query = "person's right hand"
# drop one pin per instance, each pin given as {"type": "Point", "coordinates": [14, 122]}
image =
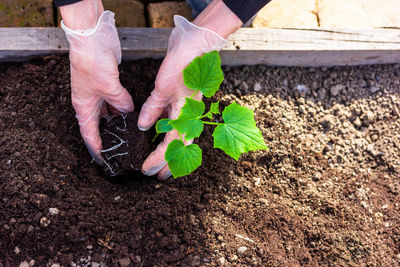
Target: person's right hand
{"type": "Point", "coordinates": [187, 41]}
{"type": "Point", "coordinates": [95, 55]}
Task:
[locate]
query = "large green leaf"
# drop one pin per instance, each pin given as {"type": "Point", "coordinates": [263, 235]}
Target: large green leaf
{"type": "Point", "coordinates": [239, 133]}
{"type": "Point", "coordinates": [163, 126]}
{"type": "Point", "coordinates": [189, 121]}
{"type": "Point", "coordinates": [204, 73]}
{"type": "Point", "coordinates": [182, 160]}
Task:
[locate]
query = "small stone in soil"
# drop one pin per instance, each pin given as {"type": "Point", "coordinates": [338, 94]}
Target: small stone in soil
{"type": "Point", "coordinates": [336, 89]}
{"type": "Point", "coordinates": [124, 262]}
{"type": "Point", "coordinates": [257, 87]}
{"type": "Point", "coordinates": [24, 264]}
{"type": "Point", "coordinates": [321, 94]}
{"type": "Point", "coordinates": [233, 258]}
{"type": "Point", "coordinates": [302, 89]}
{"type": "Point", "coordinates": [374, 89]}
{"type": "Point", "coordinates": [244, 86]}
{"type": "Point", "coordinates": [242, 250]}
{"type": "Point", "coordinates": [44, 222]}
{"type": "Point", "coordinates": [53, 211]}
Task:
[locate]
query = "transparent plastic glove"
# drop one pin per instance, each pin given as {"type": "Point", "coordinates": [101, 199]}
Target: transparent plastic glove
{"type": "Point", "coordinates": [95, 55]}
{"type": "Point", "coordinates": [187, 41]}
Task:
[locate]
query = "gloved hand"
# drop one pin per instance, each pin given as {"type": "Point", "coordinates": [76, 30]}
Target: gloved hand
{"type": "Point", "coordinates": [186, 42]}
{"type": "Point", "coordinates": [95, 55]}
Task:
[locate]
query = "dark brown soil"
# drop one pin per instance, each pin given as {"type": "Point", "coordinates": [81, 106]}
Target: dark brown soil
{"type": "Point", "coordinates": [125, 146]}
{"type": "Point", "coordinates": [326, 194]}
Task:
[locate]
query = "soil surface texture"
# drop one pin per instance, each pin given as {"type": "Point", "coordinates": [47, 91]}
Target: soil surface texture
{"type": "Point", "coordinates": [327, 193]}
{"type": "Point", "coordinates": [125, 147]}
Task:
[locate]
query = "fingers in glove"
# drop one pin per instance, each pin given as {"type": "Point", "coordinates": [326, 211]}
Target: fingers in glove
{"type": "Point", "coordinates": [91, 136]}
{"type": "Point", "coordinates": [156, 161]}
{"type": "Point", "coordinates": [118, 100]}
{"type": "Point", "coordinates": [164, 174]}
{"type": "Point", "coordinates": [152, 110]}
{"type": "Point", "coordinates": [88, 114]}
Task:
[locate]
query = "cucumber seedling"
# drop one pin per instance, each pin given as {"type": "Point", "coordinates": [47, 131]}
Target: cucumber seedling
{"type": "Point", "coordinates": [237, 133]}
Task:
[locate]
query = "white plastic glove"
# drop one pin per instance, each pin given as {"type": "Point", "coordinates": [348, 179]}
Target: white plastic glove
{"type": "Point", "coordinates": [186, 42]}
{"type": "Point", "coordinates": [95, 55]}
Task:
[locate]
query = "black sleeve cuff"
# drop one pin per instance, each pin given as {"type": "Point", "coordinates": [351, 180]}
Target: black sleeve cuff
{"type": "Point", "coordinates": [65, 2]}
{"type": "Point", "coordinates": [245, 9]}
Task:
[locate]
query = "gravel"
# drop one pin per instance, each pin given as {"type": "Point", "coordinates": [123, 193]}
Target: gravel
{"type": "Point", "coordinates": [241, 250]}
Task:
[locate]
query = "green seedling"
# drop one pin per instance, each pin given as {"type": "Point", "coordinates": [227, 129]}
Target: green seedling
{"type": "Point", "coordinates": [237, 133]}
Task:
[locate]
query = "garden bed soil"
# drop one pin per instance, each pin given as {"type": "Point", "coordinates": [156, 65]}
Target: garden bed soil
{"type": "Point", "coordinates": [325, 194]}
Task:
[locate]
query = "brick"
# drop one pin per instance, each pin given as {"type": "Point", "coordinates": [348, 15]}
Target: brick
{"type": "Point", "coordinates": [359, 13]}
{"type": "Point", "coordinates": [161, 14]}
{"type": "Point", "coordinates": [287, 14]}
{"type": "Point", "coordinates": [26, 13]}
{"type": "Point", "coordinates": [128, 13]}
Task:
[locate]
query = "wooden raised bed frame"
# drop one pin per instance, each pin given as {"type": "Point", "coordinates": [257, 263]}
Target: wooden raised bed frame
{"type": "Point", "coordinates": [248, 46]}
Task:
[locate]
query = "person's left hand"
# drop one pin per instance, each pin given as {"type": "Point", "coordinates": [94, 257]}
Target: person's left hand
{"type": "Point", "coordinates": [95, 86]}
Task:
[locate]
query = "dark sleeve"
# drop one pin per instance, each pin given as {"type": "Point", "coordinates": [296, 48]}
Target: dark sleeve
{"type": "Point", "coordinates": [245, 9]}
{"type": "Point", "coordinates": [65, 2]}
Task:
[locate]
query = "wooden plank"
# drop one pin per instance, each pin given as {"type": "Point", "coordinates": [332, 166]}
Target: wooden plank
{"type": "Point", "coordinates": [279, 47]}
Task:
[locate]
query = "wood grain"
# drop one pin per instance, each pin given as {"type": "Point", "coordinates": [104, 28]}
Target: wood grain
{"type": "Point", "coordinates": [279, 47]}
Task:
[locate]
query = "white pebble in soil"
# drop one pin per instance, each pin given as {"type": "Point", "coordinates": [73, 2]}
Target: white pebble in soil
{"type": "Point", "coordinates": [302, 89]}
{"type": "Point", "coordinates": [44, 222]}
{"type": "Point", "coordinates": [24, 264]}
{"type": "Point", "coordinates": [53, 211]}
{"type": "Point", "coordinates": [233, 258]}
{"type": "Point", "coordinates": [242, 250]}
{"type": "Point", "coordinates": [257, 87]}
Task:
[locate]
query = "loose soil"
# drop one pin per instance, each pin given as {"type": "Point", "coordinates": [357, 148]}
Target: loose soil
{"type": "Point", "coordinates": [326, 194]}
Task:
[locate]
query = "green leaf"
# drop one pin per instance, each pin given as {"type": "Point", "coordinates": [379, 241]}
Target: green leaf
{"type": "Point", "coordinates": [215, 108]}
{"type": "Point", "coordinates": [189, 121]}
{"type": "Point", "coordinates": [204, 74]}
{"type": "Point", "coordinates": [182, 160]}
{"type": "Point", "coordinates": [239, 133]}
{"type": "Point", "coordinates": [163, 126]}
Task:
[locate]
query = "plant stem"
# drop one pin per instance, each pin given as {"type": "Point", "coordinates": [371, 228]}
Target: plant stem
{"type": "Point", "coordinates": [212, 123]}
{"type": "Point", "coordinates": [195, 92]}
{"type": "Point", "coordinates": [180, 136]}
{"type": "Point", "coordinates": [203, 116]}
{"type": "Point", "coordinates": [155, 137]}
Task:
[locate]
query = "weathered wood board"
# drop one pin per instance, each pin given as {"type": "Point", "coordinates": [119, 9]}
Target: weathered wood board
{"type": "Point", "coordinates": [280, 47]}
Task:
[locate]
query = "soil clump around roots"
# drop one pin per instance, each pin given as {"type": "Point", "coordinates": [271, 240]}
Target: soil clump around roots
{"type": "Point", "coordinates": [125, 147]}
{"type": "Point", "coordinates": [325, 194]}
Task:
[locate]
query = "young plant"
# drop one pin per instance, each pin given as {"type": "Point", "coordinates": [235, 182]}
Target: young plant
{"type": "Point", "coordinates": [237, 133]}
